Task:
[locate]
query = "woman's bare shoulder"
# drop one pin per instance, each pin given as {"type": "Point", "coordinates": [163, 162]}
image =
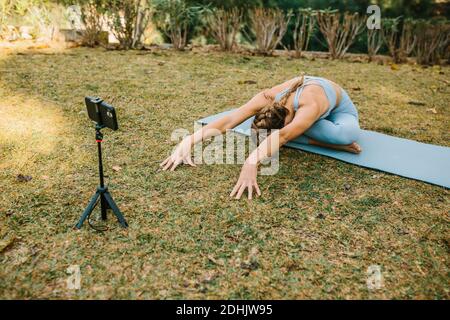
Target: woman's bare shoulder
{"type": "Point", "coordinates": [272, 92]}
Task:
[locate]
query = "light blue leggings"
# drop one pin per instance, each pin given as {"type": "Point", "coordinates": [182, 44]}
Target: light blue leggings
{"type": "Point", "coordinates": [339, 125]}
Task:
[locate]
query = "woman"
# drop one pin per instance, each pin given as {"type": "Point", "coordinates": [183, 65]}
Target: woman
{"type": "Point", "coordinates": [309, 110]}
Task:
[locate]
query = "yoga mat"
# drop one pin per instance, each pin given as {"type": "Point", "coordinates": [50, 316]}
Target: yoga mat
{"type": "Point", "coordinates": [402, 157]}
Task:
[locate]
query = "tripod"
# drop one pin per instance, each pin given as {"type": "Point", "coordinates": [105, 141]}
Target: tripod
{"type": "Point", "coordinates": [106, 200]}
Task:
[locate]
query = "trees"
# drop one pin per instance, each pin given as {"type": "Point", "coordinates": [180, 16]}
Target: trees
{"type": "Point", "coordinates": [408, 8]}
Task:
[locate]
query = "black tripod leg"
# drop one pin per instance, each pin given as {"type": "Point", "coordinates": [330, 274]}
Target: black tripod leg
{"type": "Point", "coordinates": [104, 206]}
{"type": "Point", "coordinates": [115, 209]}
{"type": "Point", "coordinates": [88, 210]}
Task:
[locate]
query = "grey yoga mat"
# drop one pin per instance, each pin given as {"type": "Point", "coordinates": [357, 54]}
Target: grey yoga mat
{"type": "Point", "coordinates": [402, 157]}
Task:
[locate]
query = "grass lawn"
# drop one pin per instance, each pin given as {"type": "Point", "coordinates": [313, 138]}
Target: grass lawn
{"type": "Point", "coordinates": [318, 227]}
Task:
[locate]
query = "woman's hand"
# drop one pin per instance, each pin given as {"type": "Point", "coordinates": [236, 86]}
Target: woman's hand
{"type": "Point", "coordinates": [182, 154]}
{"type": "Point", "coordinates": [247, 180]}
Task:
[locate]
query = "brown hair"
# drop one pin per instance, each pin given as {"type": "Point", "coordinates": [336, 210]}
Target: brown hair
{"type": "Point", "coordinates": [274, 115]}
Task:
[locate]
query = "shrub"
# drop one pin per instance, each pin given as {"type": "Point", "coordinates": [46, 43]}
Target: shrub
{"type": "Point", "coordinates": [433, 40]}
{"type": "Point", "coordinates": [303, 30]}
{"type": "Point", "coordinates": [408, 40]}
{"type": "Point", "coordinates": [399, 39]}
{"type": "Point", "coordinates": [92, 18]}
{"type": "Point", "coordinates": [128, 20]}
{"type": "Point", "coordinates": [269, 27]}
{"type": "Point", "coordinates": [41, 20]}
{"type": "Point", "coordinates": [175, 18]}
{"type": "Point", "coordinates": [375, 41]}
{"type": "Point", "coordinates": [6, 8]}
{"type": "Point", "coordinates": [339, 31]}
{"type": "Point", "coordinates": [20, 9]}
{"type": "Point", "coordinates": [29, 18]}
{"type": "Point", "coordinates": [92, 14]}
{"type": "Point", "coordinates": [223, 25]}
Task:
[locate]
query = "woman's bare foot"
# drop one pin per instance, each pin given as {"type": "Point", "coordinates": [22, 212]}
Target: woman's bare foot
{"type": "Point", "coordinates": [352, 148]}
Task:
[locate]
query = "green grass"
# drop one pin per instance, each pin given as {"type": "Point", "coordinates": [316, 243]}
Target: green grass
{"type": "Point", "coordinates": [318, 227]}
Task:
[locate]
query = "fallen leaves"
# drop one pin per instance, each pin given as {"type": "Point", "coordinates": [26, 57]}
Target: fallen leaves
{"type": "Point", "coordinates": [321, 216]}
{"type": "Point", "coordinates": [39, 47]}
{"type": "Point", "coordinates": [421, 104]}
{"type": "Point", "coordinates": [208, 277]}
{"type": "Point", "coordinates": [251, 263]}
{"type": "Point", "coordinates": [247, 82]}
{"type": "Point", "coordinates": [6, 242]}
{"type": "Point", "coordinates": [215, 261]}
{"type": "Point", "coordinates": [395, 67]}
{"type": "Point", "coordinates": [416, 103]}
{"type": "Point", "coordinates": [117, 168]}
{"type": "Point", "coordinates": [6, 238]}
{"type": "Point", "coordinates": [23, 178]}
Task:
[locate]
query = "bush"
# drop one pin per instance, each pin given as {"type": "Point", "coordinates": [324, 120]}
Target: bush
{"type": "Point", "coordinates": [28, 18]}
{"type": "Point", "coordinates": [433, 40]}
{"type": "Point", "coordinates": [175, 18]}
{"type": "Point", "coordinates": [92, 18]}
{"type": "Point", "coordinates": [226, 4]}
{"type": "Point", "coordinates": [92, 14]}
{"type": "Point", "coordinates": [400, 38]}
{"type": "Point", "coordinates": [303, 30]}
{"type": "Point", "coordinates": [128, 20]}
{"type": "Point", "coordinates": [6, 7]}
{"type": "Point", "coordinates": [339, 31]}
{"type": "Point", "coordinates": [269, 27]}
{"type": "Point", "coordinates": [223, 25]}
{"type": "Point", "coordinates": [11, 10]}
{"type": "Point", "coordinates": [375, 41]}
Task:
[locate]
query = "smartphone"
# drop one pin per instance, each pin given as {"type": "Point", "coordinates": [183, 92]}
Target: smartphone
{"type": "Point", "coordinates": [101, 112]}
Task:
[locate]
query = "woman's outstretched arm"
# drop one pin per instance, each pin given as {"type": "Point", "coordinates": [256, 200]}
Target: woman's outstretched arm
{"type": "Point", "coordinates": [233, 119]}
{"type": "Point", "coordinates": [304, 119]}
{"type": "Point", "coordinates": [182, 153]}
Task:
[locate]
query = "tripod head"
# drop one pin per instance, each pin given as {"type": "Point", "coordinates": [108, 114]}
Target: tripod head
{"type": "Point", "coordinates": [98, 133]}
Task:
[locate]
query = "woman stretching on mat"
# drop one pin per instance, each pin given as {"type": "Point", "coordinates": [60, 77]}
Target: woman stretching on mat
{"type": "Point", "coordinates": [308, 110]}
